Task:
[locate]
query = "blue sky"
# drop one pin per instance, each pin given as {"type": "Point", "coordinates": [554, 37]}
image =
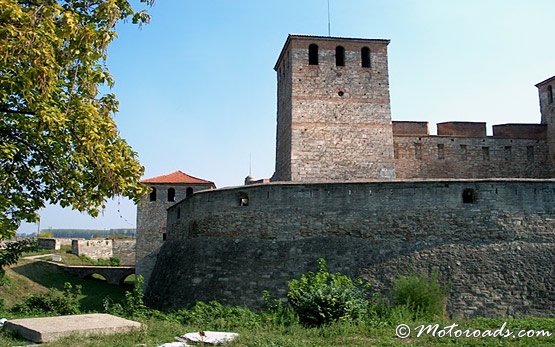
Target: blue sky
{"type": "Point", "coordinates": [197, 88]}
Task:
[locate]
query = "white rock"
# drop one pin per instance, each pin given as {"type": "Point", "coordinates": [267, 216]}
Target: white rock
{"type": "Point", "coordinates": [209, 337]}
{"type": "Point", "coordinates": [175, 344]}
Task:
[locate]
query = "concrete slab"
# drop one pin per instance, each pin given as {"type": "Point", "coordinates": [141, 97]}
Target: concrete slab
{"type": "Point", "coordinates": [52, 328]}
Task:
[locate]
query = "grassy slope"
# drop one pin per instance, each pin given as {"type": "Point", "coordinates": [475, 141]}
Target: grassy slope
{"type": "Point", "coordinates": [32, 277]}
{"type": "Point", "coordinates": [42, 275]}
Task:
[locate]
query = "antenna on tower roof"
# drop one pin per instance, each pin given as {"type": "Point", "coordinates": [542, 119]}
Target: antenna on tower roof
{"type": "Point", "coordinates": [329, 19]}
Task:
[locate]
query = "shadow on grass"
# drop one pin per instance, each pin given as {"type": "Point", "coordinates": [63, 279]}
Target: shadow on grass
{"type": "Point", "coordinates": [93, 290]}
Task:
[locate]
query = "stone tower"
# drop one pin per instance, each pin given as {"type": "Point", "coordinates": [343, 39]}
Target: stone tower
{"type": "Point", "coordinates": [166, 190]}
{"type": "Point", "coordinates": [547, 109]}
{"type": "Point", "coordinates": [333, 112]}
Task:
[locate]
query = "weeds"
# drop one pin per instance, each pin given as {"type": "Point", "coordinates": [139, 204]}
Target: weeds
{"type": "Point", "coordinates": [132, 305]}
{"type": "Point", "coordinates": [321, 297]}
{"type": "Point", "coordinates": [54, 302]}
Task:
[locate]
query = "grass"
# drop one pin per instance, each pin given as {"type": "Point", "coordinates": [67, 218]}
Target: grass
{"type": "Point", "coordinates": [158, 331]}
{"type": "Point", "coordinates": [31, 277]}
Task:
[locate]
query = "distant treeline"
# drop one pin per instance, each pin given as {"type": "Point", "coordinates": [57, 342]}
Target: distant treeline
{"type": "Point", "coordinates": [89, 233]}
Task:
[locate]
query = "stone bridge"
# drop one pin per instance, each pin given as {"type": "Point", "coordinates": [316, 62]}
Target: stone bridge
{"type": "Point", "coordinates": [112, 274]}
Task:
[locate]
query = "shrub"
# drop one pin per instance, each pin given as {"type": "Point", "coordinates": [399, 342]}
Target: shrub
{"type": "Point", "coordinates": [132, 305]}
{"type": "Point", "coordinates": [422, 294]}
{"type": "Point", "coordinates": [54, 302]}
{"type": "Point", "coordinates": [45, 234]}
{"type": "Point", "coordinates": [215, 316]}
{"type": "Point", "coordinates": [276, 312]}
{"type": "Point", "coordinates": [319, 298]}
{"type": "Point", "coordinates": [112, 261]}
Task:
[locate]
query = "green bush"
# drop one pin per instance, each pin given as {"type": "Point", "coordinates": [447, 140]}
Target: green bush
{"type": "Point", "coordinates": [321, 297]}
{"type": "Point", "coordinates": [276, 313]}
{"type": "Point", "coordinates": [132, 305]}
{"type": "Point", "coordinates": [53, 302]}
{"type": "Point", "coordinates": [112, 261]}
{"type": "Point", "coordinates": [215, 316]}
{"type": "Point", "coordinates": [422, 294]}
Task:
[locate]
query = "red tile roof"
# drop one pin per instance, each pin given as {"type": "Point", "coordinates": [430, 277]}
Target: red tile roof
{"type": "Point", "coordinates": [177, 177]}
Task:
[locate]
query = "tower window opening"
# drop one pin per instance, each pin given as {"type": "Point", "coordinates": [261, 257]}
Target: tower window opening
{"type": "Point", "coordinates": [365, 57]}
{"type": "Point", "coordinates": [508, 153]}
{"type": "Point", "coordinates": [178, 212]}
{"type": "Point", "coordinates": [339, 56]}
{"type": "Point", "coordinates": [243, 199]}
{"type": "Point", "coordinates": [549, 94]}
{"type": "Point", "coordinates": [485, 153]}
{"type": "Point", "coordinates": [417, 151]}
{"type": "Point", "coordinates": [188, 192]}
{"type": "Point", "coordinates": [440, 151]}
{"type": "Point", "coordinates": [313, 54]}
{"type": "Point", "coordinates": [469, 196]}
{"type": "Point", "coordinates": [171, 194]}
{"type": "Point", "coordinates": [152, 196]}
{"type": "Point", "coordinates": [463, 151]}
{"type": "Point", "coordinates": [530, 153]}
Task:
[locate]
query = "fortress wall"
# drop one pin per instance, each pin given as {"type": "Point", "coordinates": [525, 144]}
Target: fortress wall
{"type": "Point", "coordinates": [374, 210]}
{"type": "Point", "coordinates": [492, 279]}
{"type": "Point", "coordinates": [495, 252]}
{"type": "Point", "coordinates": [54, 242]}
{"type": "Point", "coordinates": [470, 157]}
{"type": "Point", "coordinates": [520, 131]}
{"type": "Point", "coordinates": [124, 250]}
{"type": "Point", "coordinates": [94, 249]}
{"type": "Point", "coordinates": [410, 128]}
{"type": "Point", "coordinates": [466, 129]}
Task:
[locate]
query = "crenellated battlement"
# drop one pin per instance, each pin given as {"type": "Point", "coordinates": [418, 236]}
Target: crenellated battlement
{"type": "Point", "coordinates": [463, 150]}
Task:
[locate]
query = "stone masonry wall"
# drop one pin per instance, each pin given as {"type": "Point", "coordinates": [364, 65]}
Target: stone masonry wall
{"type": "Point", "coordinates": [151, 224]}
{"type": "Point", "coordinates": [219, 249]}
{"type": "Point", "coordinates": [94, 249]}
{"type": "Point", "coordinates": [124, 250]}
{"type": "Point", "coordinates": [470, 157]}
{"type": "Point", "coordinates": [53, 243]}
{"type": "Point", "coordinates": [335, 120]}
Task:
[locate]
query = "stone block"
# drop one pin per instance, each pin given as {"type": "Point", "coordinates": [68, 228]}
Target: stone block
{"type": "Point", "coordinates": [49, 329]}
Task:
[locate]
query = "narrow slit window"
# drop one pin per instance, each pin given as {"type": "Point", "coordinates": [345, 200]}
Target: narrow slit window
{"type": "Point", "coordinates": [508, 153]}
{"type": "Point", "coordinates": [530, 153]}
{"type": "Point", "coordinates": [365, 57]}
{"type": "Point", "coordinates": [339, 56]}
{"type": "Point", "coordinates": [463, 151]}
{"type": "Point", "coordinates": [440, 151]}
{"type": "Point", "coordinates": [152, 195]}
{"type": "Point", "coordinates": [313, 54]}
{"type": "Point", "coordinates": [417, 151]}
{"type": "Point", "coordinates": [171, 194]}
{"type": "Point", "coordinates": [550, 94]}
{"type": "Point", "coordinates": [485, 153]}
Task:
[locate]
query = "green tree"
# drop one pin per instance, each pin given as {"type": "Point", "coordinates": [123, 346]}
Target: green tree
{"type": "Point", "coordinates": [58, 139]}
